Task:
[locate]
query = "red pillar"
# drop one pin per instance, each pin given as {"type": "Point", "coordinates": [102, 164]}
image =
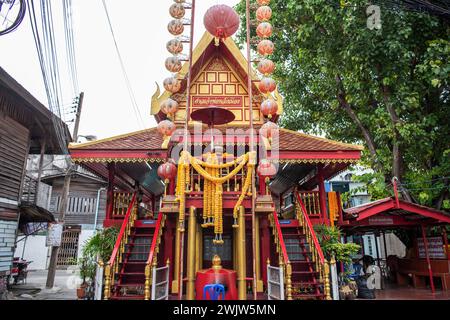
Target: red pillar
{"type": "Point", "coordinates": [265, 246]}
{"type": "Point", "coordinates": [430, 271]}
{"type": "Point", "coordinates": [322, 195]}
{"type": "Point", "coordinates": [262, 185]}
{"type": "Point", "coordinates": [110, 192]}
{"type": "Point", "coordinates": [444, 235]}
{"type": "Point", "coordinates": [169, 244]}
{"type": "Point", "coordinates": [171, 187]}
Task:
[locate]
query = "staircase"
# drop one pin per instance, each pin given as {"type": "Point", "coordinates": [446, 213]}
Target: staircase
{"type": "Point", "coordinates": [128, 271]}
{"type": "Point", "coordinates": [130, 283]}
{"type": "Point", "coordinates": [306, 284]}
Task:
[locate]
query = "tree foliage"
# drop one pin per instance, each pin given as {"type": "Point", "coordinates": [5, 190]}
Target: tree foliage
{"type": "Point", "coordinates": [387, 88]}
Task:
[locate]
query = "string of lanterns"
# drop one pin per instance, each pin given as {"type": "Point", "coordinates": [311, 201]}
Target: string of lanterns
{"type": "Point", "coordinates": [174, 65]}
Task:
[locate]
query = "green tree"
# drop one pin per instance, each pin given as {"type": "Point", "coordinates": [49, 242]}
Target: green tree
{"type": "Point", "coordinates": [387, 88]}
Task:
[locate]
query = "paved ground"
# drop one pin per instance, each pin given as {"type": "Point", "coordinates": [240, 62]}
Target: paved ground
{"type": "Point", "coordinates": [34, 288]}
{"type": "Point", "coordinates": [410, 293]}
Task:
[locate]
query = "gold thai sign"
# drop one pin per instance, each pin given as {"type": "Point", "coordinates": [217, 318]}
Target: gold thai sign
{"type": "Point", "coordinates": [224, 101]}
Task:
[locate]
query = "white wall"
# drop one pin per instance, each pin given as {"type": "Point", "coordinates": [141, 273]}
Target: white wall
{"type": "Point", "coordinates": [85, 234]}
{"type": "Point", "coordinates": [35, 250]}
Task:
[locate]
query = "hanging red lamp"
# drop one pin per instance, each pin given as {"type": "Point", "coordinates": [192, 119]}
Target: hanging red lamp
{"type": "Point", "coordinates": [266, 66]}
{"type": "Point", "coordinates": [268, 130]}
{"type": "Point", "coordinates": [266, 168]}
{"type": "Point", "coordinates": [263, 2]}
{"type": "Point", "coordinates": [221, 21]}
{"type": "Point", "coordinates": [264, 30]}
{"type": "Point", "coordinates": [176, 27]}
{"type": "Point", "coordinates": [166, 128]}
{"type": "Point", "coordinates": [169, 106]}
{"type": "Point", "coordinates": [172, 84]}
{"type": "Point", "coordinates": [269, 108]}
{"type": "Point", "coordinates": [263, 13]}
{"type": "Point", "coordinates": [173, 64]}
{"type": "Point", "coordinates": [265, 47]}
{"type": "Point", "coordinates": [177, 10]}
{"type": "Point", "coordinates": [167, 171]}
{"type": "Point", "coordinates": [267, 85]}
{"type": "Point", "coordinates": [174, 46]}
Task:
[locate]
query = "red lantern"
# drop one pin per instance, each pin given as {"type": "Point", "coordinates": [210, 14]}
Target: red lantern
{"type": "Point", "coordinates": [172, 84]}
{"type": "Point", "coordinates": [166, 127]}
{"type": "Point", "coordinates": [263, 13]}
{"type": "Point", "coordinates": [264, 30]}
{"type": "Point", "coordinates": [266, 168]}
{"type": "Point", "coordinates": [268, 130]}
{"type": "Point", "coordinates": [265, 47]}
{"type": "Point", "coordinates": [263, 2]}
{"type": "Point", "coordinates": [167, 171]}
{"type": "Point", "coordinates": [175, 27]}
{"type": "Point", "coordinates": [267, 85]}
{"type": "Point", "coordinates": [174, 46]}
{"type": "Point", "coordinates": [266, 66]}
{"type": "Point", "coordinates": [177, 10]}
{"type": "Point", "coordinates": [173, 64]}
{"type": "Point", "coordinates": [221, 21]}
{"type": "Point", "coordinates": [169, 106]}
{"type": "Point", "coordinates": [269, 108]}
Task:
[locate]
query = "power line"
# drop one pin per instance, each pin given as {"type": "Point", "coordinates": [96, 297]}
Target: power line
{"type": "Point", "coordinates": [70, 45]}
{"type": "Point", "coordinates": [46, 50]}
{"type": "Point", "coordinates": [134, 104]}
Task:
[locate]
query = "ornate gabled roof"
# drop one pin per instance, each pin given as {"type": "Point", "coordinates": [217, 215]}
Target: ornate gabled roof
{"type": "Point", "coordinates": [145, 143]}
{"type": "Point", "coordinates": [296, 141]}
{"type": "Point", "coordinates": [146, 139]}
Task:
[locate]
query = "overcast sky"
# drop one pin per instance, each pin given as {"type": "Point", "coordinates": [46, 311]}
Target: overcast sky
{"type": "Point", "coordinates": [140, 27]}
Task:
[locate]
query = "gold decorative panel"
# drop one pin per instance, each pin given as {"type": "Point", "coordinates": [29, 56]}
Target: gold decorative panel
{"type": "Point", "coordinates": [217, 84]}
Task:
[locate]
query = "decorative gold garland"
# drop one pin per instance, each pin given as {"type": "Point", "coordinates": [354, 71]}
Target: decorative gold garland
{"type": "Point", "coordinates": [210, 170]}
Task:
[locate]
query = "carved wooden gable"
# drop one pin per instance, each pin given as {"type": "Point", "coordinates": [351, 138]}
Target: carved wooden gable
{"type": "Point", "coordinates": [217, 84]}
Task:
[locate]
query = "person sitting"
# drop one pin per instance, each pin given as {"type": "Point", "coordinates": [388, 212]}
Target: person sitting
{"type": "Point", "coordinates": [357, 269]}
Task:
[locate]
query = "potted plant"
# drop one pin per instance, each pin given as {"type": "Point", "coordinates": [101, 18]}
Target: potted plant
{"type": "Point", "coordinates": [87, 274]}
{"type": "Point", "coordinates": [97, 248]}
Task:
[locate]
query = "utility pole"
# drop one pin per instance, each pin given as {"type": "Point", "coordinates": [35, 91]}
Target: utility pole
{"type": "Point", "coordinates": [64, 198]}
{"type": "Point", "coordinates": [77, 117]}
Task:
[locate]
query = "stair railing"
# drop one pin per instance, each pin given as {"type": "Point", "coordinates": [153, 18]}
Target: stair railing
{"type": "Point", "coordinates": [153, 254]}
{"type": "Point", "coordinates": [322, 264]}
{"type": "Point", "coordinates": [112, 266]}
{"type": "Point", "coordinates": [283, 257]}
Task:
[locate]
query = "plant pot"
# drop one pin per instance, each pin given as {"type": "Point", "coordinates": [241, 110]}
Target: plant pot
{"type": "Point", "coordinates": [81, 291]}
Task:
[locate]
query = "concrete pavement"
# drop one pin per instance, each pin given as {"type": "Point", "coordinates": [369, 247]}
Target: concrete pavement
{"type": "Point", "coordinates": [34, 288]}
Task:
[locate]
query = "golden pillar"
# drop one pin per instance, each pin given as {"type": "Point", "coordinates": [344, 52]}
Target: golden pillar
{"type": "Point", "coordinates": [241, 258]}
{"type": "Point", "coordinates": [176, 269]}
{"type": "Point", "coordinates": [198, 247]}
{"type": "Point", "coordinates": [259, 283]}
{"type": "Point", "coordinates": [190, 289]}
{"type": "Point", "coordinates": [235, 248]}
{"type": "Point", "coordinates": [148, 282]}
{"type": "Point", "coordinates": [107, 291]}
